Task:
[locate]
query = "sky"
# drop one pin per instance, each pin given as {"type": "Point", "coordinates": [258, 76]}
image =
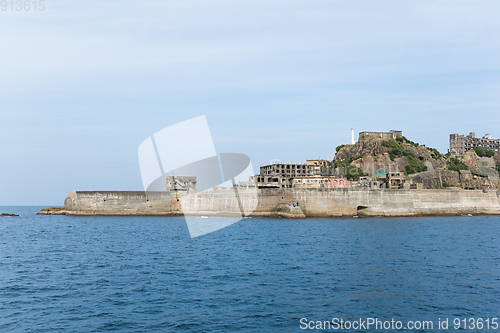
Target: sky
{"type": "Point", "coordinates": [82, 84]}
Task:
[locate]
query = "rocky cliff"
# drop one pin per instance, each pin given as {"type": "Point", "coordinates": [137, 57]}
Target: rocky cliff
{"type": "Point", "coordinates": [400, 154]}
{"type": "Point", "coordinates": [419, 163]}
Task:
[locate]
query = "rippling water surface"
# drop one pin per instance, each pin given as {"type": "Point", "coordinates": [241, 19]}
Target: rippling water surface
{"type": "Point", "coordinates": [144, 274]}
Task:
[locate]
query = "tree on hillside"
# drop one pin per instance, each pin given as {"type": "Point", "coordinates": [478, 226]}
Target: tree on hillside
{"type": "Point", "coordinates": [455, 165]}
{"type": "Point", "coordinates": [352, 172]}
{"type": "Point", "coordinates": [483, 152]}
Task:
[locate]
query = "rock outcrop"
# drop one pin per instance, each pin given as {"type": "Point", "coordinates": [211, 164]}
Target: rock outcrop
{"type": "Point", "coordinates": [481, 166]}
{"type": "Point", "coordinates": [52, 211]}
{"type": "Point", "coordinates": [8, 214]}
{"type": "Point", "coordinates": [419, 164]}
{"type": "Point", "coordinates": [388, 154]}
{"type": "Point", "coordinates": [288, 211]}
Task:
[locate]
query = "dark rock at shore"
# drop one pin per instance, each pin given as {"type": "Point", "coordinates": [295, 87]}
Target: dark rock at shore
{"type": "Point", "coordinates": [288, 211]}
{"type": "Point", "coordinates": [8, 214]}
{"type": "Point", "coordinates": [52, 211]}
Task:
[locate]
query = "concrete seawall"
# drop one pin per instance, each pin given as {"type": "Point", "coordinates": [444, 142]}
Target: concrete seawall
{"type": "Point", "coordinates": [271, 202]}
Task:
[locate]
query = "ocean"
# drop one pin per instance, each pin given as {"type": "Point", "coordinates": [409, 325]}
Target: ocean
{"type": "Point", "coordinates": [145, 274]}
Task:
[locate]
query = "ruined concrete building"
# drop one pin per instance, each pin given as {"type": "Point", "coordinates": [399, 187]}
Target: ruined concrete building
{"type": "Point", "coordinates": [263, 181]}
{"type": "Point", "coordinates": [366, 136]}
{"type": "Point", "coordinates": [319, 161]}
{"type": "Point", "coordinates": [282, 175]}
{"type": "Point", "coordinates": [320, 182]}
{"type": "Point", "coordinates": [291, 170]}
{"type": "Point", "coordinates": [182, 183]}
{"type": "Point", "coordinates": [460, 144]}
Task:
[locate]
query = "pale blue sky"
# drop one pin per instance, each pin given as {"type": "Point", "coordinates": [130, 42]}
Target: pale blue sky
{"type": "Point", "coordinates": [82, 84]}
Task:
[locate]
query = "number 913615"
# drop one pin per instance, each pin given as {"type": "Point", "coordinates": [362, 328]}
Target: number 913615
{"type": "Point", "coordinates": [475, 324]}
{"type": "Point", "coordinates": [22, 5]}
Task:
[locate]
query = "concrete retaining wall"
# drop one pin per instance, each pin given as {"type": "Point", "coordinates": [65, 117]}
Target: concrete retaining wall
{"type": "Point", "coordinates": [318, 202]}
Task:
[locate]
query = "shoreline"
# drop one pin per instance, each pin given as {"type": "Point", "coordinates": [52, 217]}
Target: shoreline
{"type": "Point", "coordinates": [276, 203]}
{"type": "Point", "coordinates": [271, 216]}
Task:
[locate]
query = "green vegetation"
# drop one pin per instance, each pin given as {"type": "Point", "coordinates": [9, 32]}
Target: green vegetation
{"type": "Point", "coordinates": [397, 148]}
{"type": "Point", "coordinates": [455, 165]}
{"type": "Point", "coordinates": [347, 161]}
{"type": "Point", "coordinates": [415, 164]}
{"type": "Point", "coordinates": [404, 139]}
{"type": "Point", "coordinates": [400, 151]}
{"type": "Point", "coordinates": [448, 185]}
{"type": "Point", "coordinates": [353, 173]}
{"type": "Point", "coordinates": [483, 152]}
{"type": "Point", "coordinates": [435, 153]}
{"type": "Point", "coordinates": [390, 144]}
{"type": "Point", "coordinates": [381, 180]}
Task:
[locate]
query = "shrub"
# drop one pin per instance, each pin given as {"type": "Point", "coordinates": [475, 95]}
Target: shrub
{"type": "Point", "coordinates": [455, 165]}
{"type": "Point", "coordinates": [347, 161]}
{"type": "Point", "coordinates": [448, 185]}
{"type": "Point", "coordinates": [483, 152]}
{"type": "Point", "coordinates": [353, 172]}
{"type": "Point", "coordinates": [414, 165]}
{"type": "Point", "coordinates": [404, 139]}
{"type": "Point", "coordinates": [392, 156]}
{"type": "Point", "coordinates": [435, 153]}
{"type": "Point", "coordinates": [390, 144]}
{"type": "Point", "coordinates": [339, 147]}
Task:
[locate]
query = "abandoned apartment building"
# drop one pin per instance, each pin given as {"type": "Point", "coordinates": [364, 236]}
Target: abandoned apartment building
{"type": "Point", "coordinates": [460, 144]}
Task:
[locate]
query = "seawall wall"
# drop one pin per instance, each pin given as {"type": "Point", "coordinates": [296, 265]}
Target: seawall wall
{"type": "Point", "coordinates": [270, 202]}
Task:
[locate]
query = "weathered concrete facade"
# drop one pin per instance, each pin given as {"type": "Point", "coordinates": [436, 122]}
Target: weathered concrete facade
{"type": "Point", "coordinates": [269, 202]}
{"type": "Point", "coordinates": [291, 170]}
{"type": "Point", "coordinates": [392, 135]}
{"type": "Point", "coordinates": [181, 183]}
{"type": "Point", "coordinates": [460, 144]}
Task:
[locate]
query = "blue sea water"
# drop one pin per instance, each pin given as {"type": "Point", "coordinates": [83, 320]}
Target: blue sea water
{"type": "Point", "coordinates": [144, 274]}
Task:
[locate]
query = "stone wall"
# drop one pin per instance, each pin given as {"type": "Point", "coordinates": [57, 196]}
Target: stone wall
{"type": "Point", "coordinates": [392, 135]}
{"type": "Point", "coordinates": [269, 202]}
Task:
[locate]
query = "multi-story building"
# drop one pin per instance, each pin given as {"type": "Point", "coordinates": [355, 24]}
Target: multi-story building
{"type": "Point", "coordinates": [460, 144]}
{"type": "Point", "coordinates": [394, 180]}
{"type": "Point", "coordinates": [320, 182]}
{"type": "Point", "coordinates": [291, 170]}
{"type": "Point", "coordinates": [282, 174]}
{"type": "Point", "coordinates": [334, 182]}
{"type": "Point", "coordinates": [309, 182]}
{"type": "Point", "coordinates": [273, 181]}
{"type": "Point", "coordinates": [319, 161]}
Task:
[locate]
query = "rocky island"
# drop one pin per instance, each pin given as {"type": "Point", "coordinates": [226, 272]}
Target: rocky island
{"type": "Point", "coordinates": [9, 214]}
{"type": "Point", "coordinates": [382, 174]}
